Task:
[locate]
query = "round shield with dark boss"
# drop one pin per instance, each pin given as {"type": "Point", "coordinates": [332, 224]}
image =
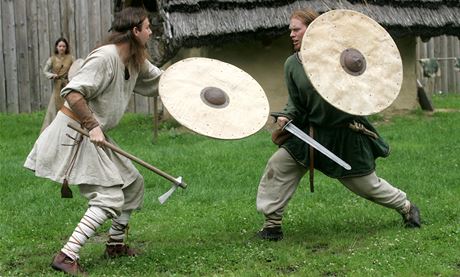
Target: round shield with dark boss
{"type": "Point", "coordinates": [214, 98]}
{"type": "Point", "coordinates": [352, 62]}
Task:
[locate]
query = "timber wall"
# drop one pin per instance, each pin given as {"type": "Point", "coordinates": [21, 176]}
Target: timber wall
{"type": "Point", "coordinates": [28, 31]}
{"type": "Point", "coordinates": [445, 50]}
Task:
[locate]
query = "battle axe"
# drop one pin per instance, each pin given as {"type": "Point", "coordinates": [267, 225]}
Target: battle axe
{"type": "Point", "coordinates": [177, 182]}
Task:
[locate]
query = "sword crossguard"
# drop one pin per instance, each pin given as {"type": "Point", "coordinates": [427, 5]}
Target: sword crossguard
{"type": "Point", "coordinates": [285, 125]}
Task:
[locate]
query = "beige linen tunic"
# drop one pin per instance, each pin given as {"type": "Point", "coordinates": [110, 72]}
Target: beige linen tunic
{"type": "Point", "coordinates": [60, 66]}
{"type": "Point", "coordinates": [101, 80]}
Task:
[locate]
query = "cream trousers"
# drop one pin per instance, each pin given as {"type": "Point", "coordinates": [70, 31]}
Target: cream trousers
{"type": "Point", "coordinates": [282, 176]}
{"type": "Point", "coordinates": [115, 199]}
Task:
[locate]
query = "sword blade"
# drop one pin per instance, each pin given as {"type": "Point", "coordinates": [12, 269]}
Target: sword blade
{"type": "Point", "coordinates": [291, 128]}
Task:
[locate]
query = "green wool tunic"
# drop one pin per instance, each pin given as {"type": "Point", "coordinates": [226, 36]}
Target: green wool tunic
{"type": "Point", "coordinates": [307, 108]}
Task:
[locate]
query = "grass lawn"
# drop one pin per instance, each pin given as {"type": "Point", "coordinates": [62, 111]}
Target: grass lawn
{"type": "Point", "coordinates": [208, 229]}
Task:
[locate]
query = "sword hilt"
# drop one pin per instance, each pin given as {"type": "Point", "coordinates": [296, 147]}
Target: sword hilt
{"type": "Point", "coordinates": [285, 125]}
{"type": "Point", "coordinates": [276, 115]}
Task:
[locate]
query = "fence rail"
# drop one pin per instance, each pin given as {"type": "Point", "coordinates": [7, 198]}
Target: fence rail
{"type": "Point", "coordinates": [29, 28]}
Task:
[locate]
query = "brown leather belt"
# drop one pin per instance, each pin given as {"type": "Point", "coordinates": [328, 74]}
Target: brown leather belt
{"type": "Point", "coordinates": [69, 113]}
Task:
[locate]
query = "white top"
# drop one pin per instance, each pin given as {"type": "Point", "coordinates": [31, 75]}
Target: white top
{"type": "Point", "coordinates": [101, 81]}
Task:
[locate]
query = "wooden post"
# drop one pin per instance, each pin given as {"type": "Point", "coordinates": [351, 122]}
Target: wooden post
{"type": "Point", "coordinates": [106, 20]}
{"type": "Point", "coordinates": [10, 57]}
{"type": "Point", "coordinates": [54, 21]}
{"type": "Point", "coordinates": [457, 73]}
{"type": "Point", "coordinates": [34, 60]}
{"type": "Point", "coordinates": [444, 71]}
{"type": "Point", "coordinates": [94, 16]}
{"type": "Point", "coordinates": [155, 119]}
{"type": "Point", "coordinates": [453, 52]}
{"type": "Point", "coordinates": [81, 28]}
{"type": "Point", "coordinates": [22, 59]}
{"type": "Point", "coordinates": [2, 68]}
{"type": "Point", "coordinates": [68, 25]}
{"type": "Point", "coordinates": [43, 52]}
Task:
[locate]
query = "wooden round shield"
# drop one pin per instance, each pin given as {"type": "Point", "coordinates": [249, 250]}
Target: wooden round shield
{"type": "Point", "coordinates": [214, 98]}
{"type": "Point", "coordinates": [352, 62]}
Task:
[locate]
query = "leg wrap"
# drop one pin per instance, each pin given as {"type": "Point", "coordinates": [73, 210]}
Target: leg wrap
{"type": "Point", "coordinates": [93, 218]}
{"type": "Point", "coordinates": [119, 229]}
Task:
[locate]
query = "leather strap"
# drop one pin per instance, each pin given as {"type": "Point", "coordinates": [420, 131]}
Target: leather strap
{"type": "Point", "coordinates": [312, 164]}
{"type": "Point", "coordinates": [360, 128]}
{"type": "Point", "coordinates": [69, 113]}
{"type": "Point", "coordinates": [66, 192]}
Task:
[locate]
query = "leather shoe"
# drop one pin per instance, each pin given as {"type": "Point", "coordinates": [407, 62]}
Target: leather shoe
{"type": "Point", "coordinates": [62, 262]}
{"type": "Point", "coordinates": [118, 250]}
{"type": "Point", "coordinates": [412, 218]}
{"type": "Point", "coordinates": [270, 234]}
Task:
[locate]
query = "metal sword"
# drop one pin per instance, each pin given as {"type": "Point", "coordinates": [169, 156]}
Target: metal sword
{"type": "Point", "coordinates": [291, 128]}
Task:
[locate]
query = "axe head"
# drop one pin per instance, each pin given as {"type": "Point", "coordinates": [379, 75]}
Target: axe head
{"type": "Point", "coordinates": [167, 194]}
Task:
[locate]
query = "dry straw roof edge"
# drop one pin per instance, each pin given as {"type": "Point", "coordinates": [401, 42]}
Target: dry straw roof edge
{"type": "Point", "coordinates": [192, 20]}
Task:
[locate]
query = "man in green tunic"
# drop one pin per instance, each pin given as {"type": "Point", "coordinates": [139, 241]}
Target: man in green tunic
{"type": "Point", "coordinates": [307, 109]}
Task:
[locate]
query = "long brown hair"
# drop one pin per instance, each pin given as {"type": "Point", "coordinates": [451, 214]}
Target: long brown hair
{"type": "Point", "coordinates": [122, 31]}
{"type": "Point", "coordinates": [67, 49]}
{"type": "Point", "coordinates": [305, 15]}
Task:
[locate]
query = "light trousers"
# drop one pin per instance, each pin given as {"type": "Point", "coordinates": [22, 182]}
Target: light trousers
{"type": "Point", "coordinates": [282, 176]}
{"type": "Point", "coordinates": [115, 199]}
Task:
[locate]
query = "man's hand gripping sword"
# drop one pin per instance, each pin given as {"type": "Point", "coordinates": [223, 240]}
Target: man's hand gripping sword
{"type": "Point", "coordinates": [177, 182]}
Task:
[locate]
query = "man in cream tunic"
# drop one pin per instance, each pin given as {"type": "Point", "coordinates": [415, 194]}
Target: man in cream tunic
{"type": "Point", "coordinates": [102, 83]}
{"type": "Point", "coordinates": [96, 98]}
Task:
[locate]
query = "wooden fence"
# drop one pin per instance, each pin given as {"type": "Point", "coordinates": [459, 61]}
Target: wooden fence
{"type": "Point", "coordinates": [445, 50]}
{"type": "Point", "coordinates": [29, 28]}
{"type": "Point", "coordinates": [28, 31]}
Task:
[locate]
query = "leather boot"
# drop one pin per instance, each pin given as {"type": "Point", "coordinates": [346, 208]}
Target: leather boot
{"type": "Point", "coordinates": [412, 218]}
{"type": "Point", "coordinates": [119, 249]}
{"type": "Point", "coordinates": [62, 262]}
{"type": "Point", "coordinates": [270, 234]}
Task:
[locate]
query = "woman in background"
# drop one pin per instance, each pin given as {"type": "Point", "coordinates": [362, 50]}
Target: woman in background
{"type": "Point", "coordinates": [57, 68]}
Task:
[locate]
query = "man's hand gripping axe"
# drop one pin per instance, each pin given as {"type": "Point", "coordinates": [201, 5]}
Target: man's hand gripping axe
{"type": "Point", "coordinates": [177, 182]}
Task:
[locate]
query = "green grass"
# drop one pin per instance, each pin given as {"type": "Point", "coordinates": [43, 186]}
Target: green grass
{"type": "Point", "coordinates": [207, 229]}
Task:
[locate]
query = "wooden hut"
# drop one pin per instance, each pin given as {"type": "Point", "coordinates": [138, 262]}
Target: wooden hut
{"type": "Point", "coordinates": [253, 34]}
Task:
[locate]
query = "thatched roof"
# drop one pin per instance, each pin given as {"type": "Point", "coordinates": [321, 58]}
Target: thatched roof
{"type": "Point", "coordinates": [191, 23]}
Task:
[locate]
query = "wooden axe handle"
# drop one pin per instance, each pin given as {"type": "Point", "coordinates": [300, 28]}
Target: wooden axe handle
{"type": "Point", "coordinates": [131, 157]}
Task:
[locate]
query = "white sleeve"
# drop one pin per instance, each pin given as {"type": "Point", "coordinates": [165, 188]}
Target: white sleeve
{"type": "Point", "coordinates": [148, 79]}
{"type": "Point", "coordinates": [47, 69]}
